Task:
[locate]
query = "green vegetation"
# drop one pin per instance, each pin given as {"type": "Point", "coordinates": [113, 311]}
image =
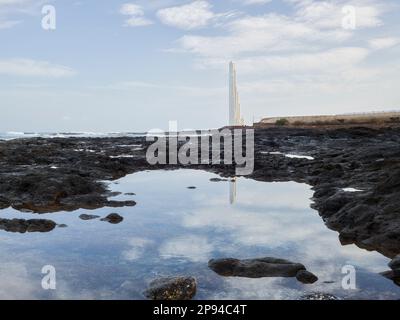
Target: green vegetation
{"type": "Point", "coordinates": [282, 122]}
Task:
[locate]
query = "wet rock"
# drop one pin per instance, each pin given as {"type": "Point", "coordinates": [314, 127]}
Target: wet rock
{"type": "Point", "coordinates": [114, 194]}
{"type": "Point", "coordinates": [130, 194]}
{"type": "Point", "coordinates": [218, 179]}
{"type": "Point", "coordinates": [393, 275]}
{"type": "Point", "coordinates": [113, 218]}
{"type": "Point", "coordinates": [255, 268]}
{"type": "Point", "coordinates": [62, 225]}
{"type": "Point", "coordinates": [319, 296]}
{"type": "Point", "coordinates": [4, 203]}
{"type": "Point", "coordinates": [172, 288]}
{"type": "Point", "coordinates": [395, 263]}
{"type": "Point", "coordinates": [192, 187]}
{"type": "Point", "coordinates": [22, 226]}
{"type": "Point", "coordinates": [306, 277]}
{"type": "Point", "coordinates": [119, 204]}
{"type": "Point", "coordinates": [88, 217]}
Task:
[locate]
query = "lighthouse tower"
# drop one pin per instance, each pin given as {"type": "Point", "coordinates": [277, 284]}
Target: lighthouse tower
{"type": "Point", "coordinates": [234, 103]}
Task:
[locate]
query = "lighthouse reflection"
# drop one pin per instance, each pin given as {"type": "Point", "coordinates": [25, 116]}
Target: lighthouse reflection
{"type": "Point", "coordinates": [232, 191]}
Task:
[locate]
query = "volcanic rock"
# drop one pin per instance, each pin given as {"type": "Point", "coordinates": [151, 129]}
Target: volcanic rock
{"type": "Point", "coordinates": [172, 288]}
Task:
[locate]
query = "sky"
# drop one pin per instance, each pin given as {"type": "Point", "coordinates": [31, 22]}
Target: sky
{"type": "Point", "coordinates": [118, 66]}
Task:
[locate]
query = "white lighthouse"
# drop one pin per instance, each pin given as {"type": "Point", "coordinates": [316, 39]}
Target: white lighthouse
{"type": "Point", "coordinates": [234, 102]}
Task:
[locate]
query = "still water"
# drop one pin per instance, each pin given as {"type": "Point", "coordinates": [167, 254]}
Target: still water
{"type": "Point", "coordinates": [174, 230]}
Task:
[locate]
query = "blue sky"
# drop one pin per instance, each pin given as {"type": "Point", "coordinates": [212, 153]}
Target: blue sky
{"type": "Point", "coordinates": [135, 65]}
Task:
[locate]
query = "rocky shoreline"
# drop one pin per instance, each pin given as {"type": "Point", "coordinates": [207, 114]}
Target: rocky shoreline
{"type": "Point", "coordinates": [354, 172]}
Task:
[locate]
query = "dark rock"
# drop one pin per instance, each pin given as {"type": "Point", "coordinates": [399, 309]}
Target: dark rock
{"type": "Point", "coordinates": [130, 194]}
{"type": "Point", "coordinates": [88, 217]}
{"type": "Point", "coordinates": [192, 187]}
{"type": "Point", "coordinates": [388, 274]}
{"type": "Point", "coordinates": [119, 204]}
{"type": "Point", "coordinates": [113, 218]}
{"type": "Point", "coordinates": [306, 277]}
{"type": "Point", "coordinates": [395, 263]}
{"type": "Point", "coordinates": [62, 225]}
{"type": "Point", "coordinates": [172, 288]}
{"type": "Point", "coordinates": [22, 226]}
{"type": "Point", "coordinates": [319, 296]}
{"type": "Point", "coordinates": [218, 179]}
{"type": "Point", "coordinates": [393, 275]}
{"type": "Point", "coordinates": [255, 268]}
{"type": "Point", "coordinates": [114, 194]}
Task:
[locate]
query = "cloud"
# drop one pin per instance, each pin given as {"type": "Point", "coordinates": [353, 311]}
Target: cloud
{"type": "Point", "coordinates": [131, 9]}
{"type": "Point", "coordinates": [329, 14]}
{"type": "Point", "coordinates": [326, 61]}
{"type": "Point", "coordinates": [12, 2]}
{"type": "Point", "coordinates": [10, 9]}
{"type": "Point", "coordinates": [262, 34]}
{"type": "Point", "coordinates": [193, 248]}
{"type": "Point", "coordinates": [33, 68]}
{"type": "Point", "coordinates": [136, 15]}
{"type": "Point", "coordinates": [137, 247]}
{"type": "Point", "coordinates": [250, 2]}
{"type": "Point", "coordinates": [178, 89]}
{"type": "Point", "coordinates": [190, 16]}
{"type": "Point", "coordinates": [313, 25]}
{"type": "Point", "coordinates": [9, 24]}
{"type": "Point", "coordinates": [383, 43]}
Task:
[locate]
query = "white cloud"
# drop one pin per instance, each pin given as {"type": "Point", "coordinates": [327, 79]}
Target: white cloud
{"type": "Point", "coordinates": [261, 34]}
{"type": "Point", "coordinates": [190, 16]}
{"type": "Point", "coordinates": [329, 14]}
{"type": "Point", "coordinates": [383, 43]}
{"type": "Point", "coordinates": [193, 248]}
{"type": "Point", "coordinates": [131, 9]}
{"type": "Point", "coordinates": [138, 22]}
{"type": "Point", "coordinates": [313, 25]}
{"type": "Point", "coordinates": [250, 2]}
{"type": "Point", "coordinates": [8, 24]}
{"type": "Point", "coordinates": [322, 62]}
{"type": "Point", "coordinates": [136, 15]}
{"type": "Point", "coordinates": [33, 68]}
{"type": "Point", "coordinates": [12, 11]}
{"type": "Point", "coordinates": [12, 2]}
{"type": "Point", "coordinates": [136, 249]}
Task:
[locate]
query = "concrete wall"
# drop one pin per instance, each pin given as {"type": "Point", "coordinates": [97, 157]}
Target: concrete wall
{"type": "Point", "coordinates": [345, 118]}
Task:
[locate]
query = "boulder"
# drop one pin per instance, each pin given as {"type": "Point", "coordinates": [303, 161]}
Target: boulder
{"type": "Point", "coordinates": [172, 288]}
{"type": "Point", "coordinates": [22, 226]}
{"type": "Point", "coordinates": [395, 263]}
{"type": "Point", "coordinates": [306, 277]}
{"type": "Point", "coordinates": [113, 218]}
{"type": "Point", "coordinates": [255, 268]}
{"type": "Point", "coordinates": [88, 217]}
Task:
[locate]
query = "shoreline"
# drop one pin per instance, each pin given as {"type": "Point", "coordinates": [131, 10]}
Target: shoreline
{"type": "Point", "coordinates": [43, 175]}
